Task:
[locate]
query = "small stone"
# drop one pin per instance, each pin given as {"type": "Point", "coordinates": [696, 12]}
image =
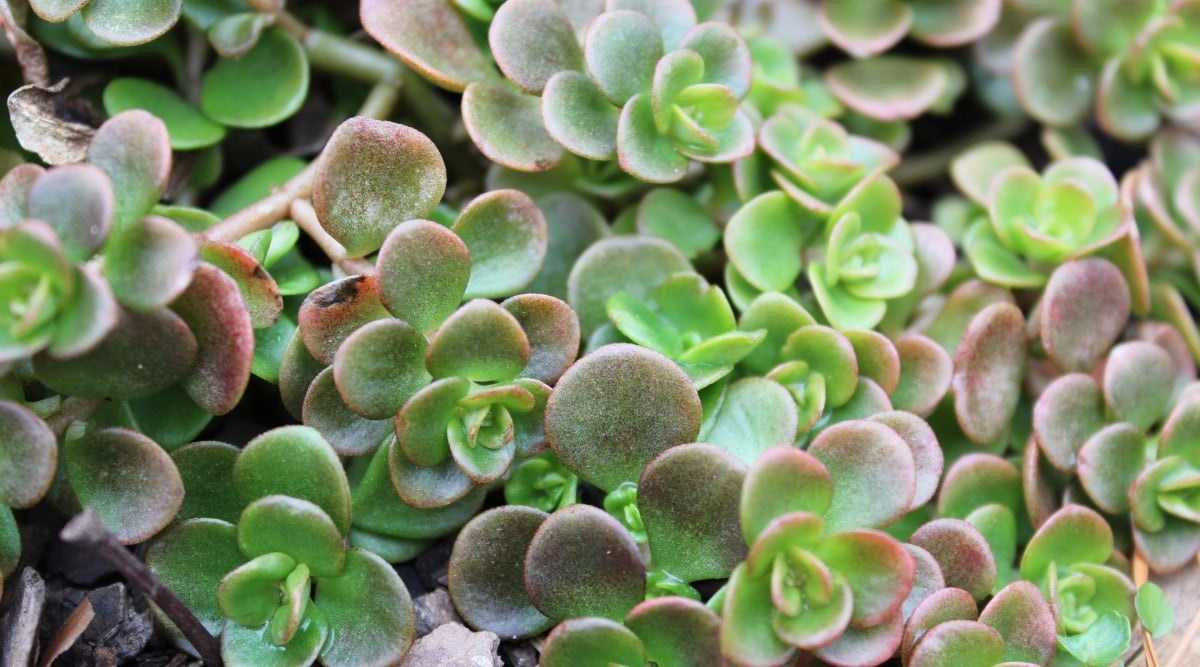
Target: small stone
{"type": "Point", "coordinates": [519, 654]}
{"type": "Point", "coordinates": [453, 645]}
{"type": "Point", "coordinates": [434, 609]}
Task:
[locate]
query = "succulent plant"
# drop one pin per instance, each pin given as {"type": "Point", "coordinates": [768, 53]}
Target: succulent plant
{"type": "Point", "coordinates": [280, 585]}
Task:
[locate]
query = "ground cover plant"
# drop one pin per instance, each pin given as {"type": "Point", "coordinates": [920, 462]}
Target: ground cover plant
{"type": "Point", "coordinates": [665, 333]}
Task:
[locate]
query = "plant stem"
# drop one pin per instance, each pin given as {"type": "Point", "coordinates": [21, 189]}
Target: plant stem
{"type": "Point", "coordinates": [306, 219]}
{"type": "Point", "coordinates": [341, 55]}
{"type": "Point", "coordinates": [86, 529]}
{"type": "Point", "coordinates": [264, 212]}
{"type": "Point", "coordinates": [72, 410]}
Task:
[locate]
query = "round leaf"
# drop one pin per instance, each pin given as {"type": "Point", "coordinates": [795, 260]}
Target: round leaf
{"type": "Point", "coordinates": [100, 465]}
{"type": "Point", "coordinates": [1084, 309]}
{"type": "Point", "coordinates": [582, 562]}
{"type": "Point", "coordinates": [481, 341]}
{"type": "Point", "coordinates": [149, 263]}
{"type": "Point", "coordinates": [531, 41]}
{"type": "Point", "coordinates": [962, 552]}
{"type": "Point", "coordinates": [369, 611]}
{"type": "Point", "coordinates": [988, 368]}
{"type": "Point", "coordinates": [423, 269]}
{"type": "Point", "coordinates": [294, 461]}
{"type": "Point", "coordinates": [506, 235]}
{"type": "Point", "coordinates": [28, 456]}
{"type": "Point", "coordinates": [379, 366]}
{"type": "Point", "coordinates": [507, 127]}
{"type": "Point", "coordinates": [191, 558]}
{"type": "Point", "coordinates": [260, 89]}
{"type": "Point", "coordinates": [486, 572]}
{"type": "Point", "coordinates": [617, 408]}
{"type": "Point", "coordinates": [298, 528]}
{"type": "Point", "coordinates": [863, 457]}
{"type": "Point", "coordinates": [372, 175]}
{"type": "Point", "coordinates": [189, 129]}
{"type": "Point", "coordinates": [134, 149]}
{"type": "Point", "coordinates": [130, 22]}
{"type": "Point", "coordinates": [431, 36]}
{"type": "Point", "coordinates": [632, 264]}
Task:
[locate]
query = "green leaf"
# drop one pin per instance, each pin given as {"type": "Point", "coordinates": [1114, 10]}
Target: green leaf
{"type": "Point", "coordinates": [130, 22]}
{"type": "Point", "coordinates": [642, 150]}
{"type": "Point", "coordinates": [621, 49]}
{"type": "Point", "coordinates": [250, 594]}
{"type": "Point", "coordinates": [295, 461]}
{"type": "Point", "coordinates": [1154, 610]}
{"type": "Point", "coordinates": [150, 263]}
{"type": "Point", "coordinates": [188, 127]}
{"type": "Point", "coordinates": [56, 11]}
{"type": "Point", "coordinates": [672, 215]}
{"type": "Point", "coordinates": [207, 472]}
{"type": "Point", "coordinates": [505, 233]}
{"type": "Point", "coordinates": [99, 465]}
{"type": "Point", "coordinates": [754, 414]}
{"type": "Point", "coordinates": [1052, 75]}
{"type": "Point", "coordinates": [862, 28]}
{"type": "Point", "coordinates": [764, 239]}
{"type": "Point", "coordinates": [369, 612]}
{"type": "Point", "coordinates": [1104, 641]}
{"type": "Point", "coordinates": [638, 322]}
{"type": "Point", "coordinates": [380, 366]}
{"type": "Point", "coordinates": [256, 184]}
{"type": "Point", "coordinates": [430, 36]}
{"type": "Point", "coordinates": [481, 341]}
{"type": "Point", "coordinates": [241, 645]}
{"type": "Point", "coordinates": [191, 558]}
{"type": "Point", "coordinates": [262, 88]}
{"type": "Point", "coordinates": [294, 527]}
{"type": "Point", "coordinates": [233, 36]}
{"type": "Point", "coordinates": [28, 456]}
{"type": "Point", "coordinates": [578, 116]}
{"type": "Point", "coordinates": [593, 642]}
{"type": "Point", "coordinates": [888, 88]}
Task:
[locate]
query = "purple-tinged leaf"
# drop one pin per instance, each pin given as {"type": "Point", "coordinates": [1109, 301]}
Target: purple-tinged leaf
{"type": "Point", "coordinates": [958, 644]}
{"type": "Point", "coordinates": [926, 453]}
{"type": "Point", "coordinates": [134, 149]}
{"type": "Point", "coordinates": [925, 374]}
{"type": "Point", "coordinates": [878, 359]}
{"type": "Point", "coordinates": [1067, 413]}
{"type": "Point", "coordinates": [130, 22]}
{"type": "Point", "coordinates": [14, 192]}
{"type": "Point", "coordinates": [145, 353]}
{"type": "Point", "coordinates": [531, 40]}
{"type": "Point", "coordinates": [487, 572]}
{"type": "Point", "coordinates": [864, 459]}
{"type": "Point", "coordinates": [335, 310]}
{"type": "Point", "coordinates": [947, 604]}
{"type": "Point", "coordinates": [632, 402]}
{"type": "Point", "coordinates": [693, 529]}
{"type": "Point", "coordinates": [582, 562]}
{"type": "Point", "coordinates": [100, 465]}
{"type": "Point", "coordinates": [260, 292]}
{"type": "Point", "coordinates": [77, 201]}
{"type": "Point", "coordinates": [888, 88]}
{"type": "Point", "coordinates": [864, 646]}
{"type": "Point", "coordinates": [878, 569]}
{"type": "Point", "coordinates": [862, 29]}
{"type": "Point", "coordinates": [1024, 620]}
{"type": "Point", "coordinates": [430, 36]}
{"type": "Point", "coordinates": [297, 370]}
{"type": "Point", "coordinates": [988, 367]}
{"type": "Point", "coordinates": [962, 552]}
{"type": "Point", "coordinates": [1180, 436]}
{"type": "Point", "coordinates": [553, 332]}
{"type": "Point", "coordinates": [507, 127]}
{"type": "Point", "coordinates": [954, 22]}
{"type": "Point", "coordinates": [1084, 310]}
{"type": "Point", "coordinates": [28, 456]}
{"type": "Point", "coordinates": [1170, 549]}
{"type": "Point", "coordinates": [927, 580]}
{"type": "Point", "coordinates": [213, 310]}
{"type": "Point", "coordinates": [427, 487]}
{"type": "Point", "coordinates": [372, 175]}
{"type": "Point", "coordinates": [1108, 464]}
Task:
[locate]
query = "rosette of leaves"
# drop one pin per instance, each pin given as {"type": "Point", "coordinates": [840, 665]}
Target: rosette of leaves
{"type": "Point", "coordinates": [818, 577]}
{"type": "Point", "coordinates": [860, 254]}
{"type": "Point", "coordinates": [689, 322]}
{"type": "Point", "coordinates": [1015, 629]}
{"type": "Point", "coordinates": [867, 28]}
{"type": "Point", "coordinates": [813, 159]}
{"type": "Point", "coordinates": [279, 584]}
{"type": "Point", "coordinates": [641, 82]}
{"type": "Point", "coordinates": [1068, 559]}
{"type": "Point", "coordinates": [125, 304]}
{"type": "Point", "coordinates": [1034, 223]}
{"type": "Point", "coordinates": [1129, 60]}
